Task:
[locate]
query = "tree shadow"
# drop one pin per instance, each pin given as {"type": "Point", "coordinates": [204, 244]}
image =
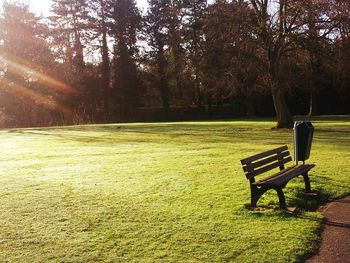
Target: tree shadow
{"type": "Point", "coordinates": [198, 132]}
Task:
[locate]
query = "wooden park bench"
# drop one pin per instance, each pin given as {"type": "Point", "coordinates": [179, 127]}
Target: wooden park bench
{"type": "Point", "coordinates": [267, 161]}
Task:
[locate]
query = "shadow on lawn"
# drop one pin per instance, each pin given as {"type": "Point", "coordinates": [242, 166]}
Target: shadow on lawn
{"type": "Point", "coordinates": [295, 196]}
{"type": "Point", "coordinates": [219, 133]}
{"type": "Point", "coordinates": [193, 133]}
{"type": "Point", "coordinates": [324, 221]}
{"type": "Point", "coordinates": [324, 181]}
{"type": "Point", "coordinates": [302, 202]}
{"type": "Point", "coordinates": [222, 133]}
{"type": "Point", "coordinates": [336, 224]}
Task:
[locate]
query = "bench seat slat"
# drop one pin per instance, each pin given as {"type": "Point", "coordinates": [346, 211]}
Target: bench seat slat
{"type": "Point", "coordinates": [251, 166]}
{"type": "Point", "coordinates": [263, 154]}
{"type": "Point", "coordinates": [285, 175]}
{"type": "Point", "coordinates": [268, 167]}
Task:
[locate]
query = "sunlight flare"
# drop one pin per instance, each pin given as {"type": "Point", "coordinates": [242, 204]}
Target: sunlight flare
{"type": "Point", "coordinates": [49, 103]}
{"type": "Point", "coordinates": [20, 69]}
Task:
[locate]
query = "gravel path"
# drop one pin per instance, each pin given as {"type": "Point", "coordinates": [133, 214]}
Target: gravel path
{"type": "Point", "coordinates": [335, 244]}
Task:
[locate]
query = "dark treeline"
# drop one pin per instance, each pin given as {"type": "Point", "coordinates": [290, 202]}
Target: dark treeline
{"type": "Point", "coordinates": [95, 61]}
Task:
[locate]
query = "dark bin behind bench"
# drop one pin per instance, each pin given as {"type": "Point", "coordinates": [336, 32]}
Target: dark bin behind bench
{"type": "Point", "coordinates": [303, 134]}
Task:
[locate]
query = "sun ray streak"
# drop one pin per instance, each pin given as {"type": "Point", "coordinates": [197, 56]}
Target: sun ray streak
{"type": "Point", "coordinates": [14, 89]}
{"type": "Point", "coordinates": [21, 69]}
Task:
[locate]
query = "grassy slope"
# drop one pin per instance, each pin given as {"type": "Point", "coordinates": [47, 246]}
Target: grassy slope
{"type": "Point", "coordinates": [157, 192]}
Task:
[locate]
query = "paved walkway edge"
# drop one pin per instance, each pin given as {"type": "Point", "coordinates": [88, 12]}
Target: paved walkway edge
{"type": "Point", "coordinates": [335, 237]}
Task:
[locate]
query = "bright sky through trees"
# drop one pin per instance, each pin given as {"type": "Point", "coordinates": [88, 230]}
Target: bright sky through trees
{"type": "Point", "coordinates": [43, 6]}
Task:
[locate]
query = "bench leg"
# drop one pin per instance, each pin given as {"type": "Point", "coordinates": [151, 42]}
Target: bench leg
{"type": "Point", "coordinates": [256, 193]}
{"type": "Point", "coordinates": [281, 198]}
{"type": "Point", "coordinates": [307, 183]}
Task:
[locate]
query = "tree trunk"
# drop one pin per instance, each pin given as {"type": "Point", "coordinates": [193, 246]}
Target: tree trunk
{"type": "Point", "coordinates": [284, 118]}
{"type": "Point", "coordinates": [106, 77]}
{"type": "Point", "coordinates": [312, 47]}
{"type": "Point", "coordinates": [164, 92]}
{"type": "Point", "coordinates": [198, 91]}
{"type": "Point", "coordinates": [314, 71]}
{"type": "Point", "coordinates": [313, 101]}
{"type": "Point", "coordinates": [250, 110]}
{"type": "Point", "coordinates": [180, 101]}
{"type": "Point", "coordinates": [105, 61]}
{"type": "Point", "coordinates": [162, 75]}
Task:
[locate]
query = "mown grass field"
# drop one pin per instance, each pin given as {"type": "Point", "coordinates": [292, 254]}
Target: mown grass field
{"type": "Point", "coordinates": [166, 192]}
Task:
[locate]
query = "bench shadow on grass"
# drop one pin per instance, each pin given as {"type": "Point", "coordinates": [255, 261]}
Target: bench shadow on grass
{"type": "Point", "coordinates": [295, 197]}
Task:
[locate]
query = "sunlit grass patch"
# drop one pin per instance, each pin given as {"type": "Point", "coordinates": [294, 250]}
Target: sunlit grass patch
{"type": "Point", "coordinates": [157, 192]}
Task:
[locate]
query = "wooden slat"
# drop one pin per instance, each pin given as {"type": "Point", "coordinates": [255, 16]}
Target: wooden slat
{"type": "Point", "coordinates": [281, 178]}
{"type": "Point", "coordinates": [285, 175]}
{"type": "Point", "coordinates": [276, 174]}
{"type": "Point", "coordinates": [263, 154]}
{"type": "Point", "coordinates": [251, 166]}
{"type": "Point", "coordinates": [268, 167]}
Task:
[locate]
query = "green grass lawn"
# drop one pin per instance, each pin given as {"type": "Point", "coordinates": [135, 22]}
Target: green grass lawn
{"type": "Point", "coordinates": [169, 192]}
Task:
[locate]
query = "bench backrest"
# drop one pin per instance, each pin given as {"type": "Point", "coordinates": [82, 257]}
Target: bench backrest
{"type": "Point", "coordinates": [265, 161]}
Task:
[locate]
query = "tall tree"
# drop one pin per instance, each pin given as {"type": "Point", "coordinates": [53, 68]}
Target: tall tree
{"type": "Point", "coordinates": [100, 25]}
{"type": "Point", "coordinates": [157, 38]}
{"type": "Point", "coordinates": [126, 21]}
{"type": "Point", "coordinates": [70, 24]}
{"type": "Point", "coordinates": [342, 45]}
{"type": "Point", "coordinates": [217, 53]}
{"type": "Point", "coordinates": [175, 14]}
{"type": "Point", "coordinates": [276, 24]}
{"type": "Point", "coordinates": [27, 90]}
{"type": "Point", "coordinates": [321, 21]}
{"type": "Point", "coordinates": [228, 63]}
{"type": "Point", "coordinates": [195, 11]}
{"type": "Point", "coordinates": [71, 35]}
{"type": "Point", "coordinates": [281, 25]}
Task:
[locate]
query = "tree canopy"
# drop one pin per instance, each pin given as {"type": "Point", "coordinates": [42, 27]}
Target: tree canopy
{"type": "Point", "coordinates": [106, 60]}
